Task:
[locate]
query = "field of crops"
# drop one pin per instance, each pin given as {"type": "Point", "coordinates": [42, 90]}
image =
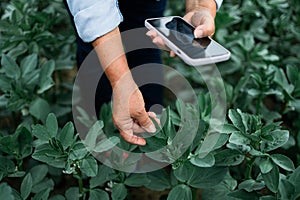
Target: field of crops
{"type": "Point", "coordinates": [256, 154]}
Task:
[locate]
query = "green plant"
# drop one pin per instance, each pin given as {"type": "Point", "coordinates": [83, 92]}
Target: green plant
{"type": "Point", "coordinates": [256, 155]}
{"type": "Point", "coordinates": [31, 27]}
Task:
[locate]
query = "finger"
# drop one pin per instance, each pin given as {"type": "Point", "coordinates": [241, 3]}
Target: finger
{"type": "Point", "coordinates": [144, 120]}
{"type": "Point", "coordinates": [153, 116]}
{"type": "Point", "coordinates": [131, 138]}
{"type": "Point", "coordinates": [172, 54]}
{"type": "Point", "coordinates": [204, 23]}
{"type": "Point", "coordinates": [137, 128]}
{"type": "Point", "coordinates": [159, 42]}
{"type": "Point", "coordinates": [152, 34]}
{"type": "Point", "coordinates": [203, 31]}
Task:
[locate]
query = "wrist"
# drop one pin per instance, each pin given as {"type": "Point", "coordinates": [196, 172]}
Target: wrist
{"type": "Point", "coordinates": [193, 6]}
{"type": "Point", "coordinates": [124, 83]}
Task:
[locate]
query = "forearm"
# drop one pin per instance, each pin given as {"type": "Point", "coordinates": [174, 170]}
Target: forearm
{"type": "Point", "coordinates": [109, 49]}
{"type": "Point", "coordinates": [196, 5]}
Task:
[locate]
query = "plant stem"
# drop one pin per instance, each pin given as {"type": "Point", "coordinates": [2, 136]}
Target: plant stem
{"type": "Point", "coordinates": [80, 184]}
{"type": "Point", "coordinates": [194, 193]}
{"type": "Point", "coordinates": [20, 164]}
{"type": "Point", "coordinates": [258, 105]}
{"type": "Point", "coordinates": [249, 168]}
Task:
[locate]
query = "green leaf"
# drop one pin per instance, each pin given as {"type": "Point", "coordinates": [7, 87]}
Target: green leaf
{"type": "Point", "coordinates": [206, 177]}
{"type": "Point", "coordinates": [222, 140]}
{"type": "Point", "coordinates": [39, 108]}
{"type": "Point", "coordinates": [106, 144]}
{"type": "Point", "coordinates": [286, 189]}
{"type": "Point", "coordinates": [89, 166]}
{"type": "Point", "coordinates": [24, 142]}
{"type": "Point", "coordinates": [221, 190]}
{"type": "Point", "coordinates": [210, 141]}
{"type": "Point", "coordinates": [42, 195]}
{"type": "Point", "coordinates": [279, 138]}
{"type": "Point", "coordinates": [94, 132]}
{"type": "Point", "coordinates": [119, 191]}
{"type": "Point", "coordinates": [52, 125]}
{"type": "Point", "coordinates": [66, 135]}
{"type": "Point", "coordinates": [247, 42]}
{"type": "Point", "coordinates": [283, 162]}
{"type": "Point", "coordinates": [295, 179]}
{"type": "Point", "coordinates": [45, 184]}
{"type": "Point", "coordinates": [251, 185]}
{"type": "Point", "coordinates": [78, 152]}
{"type": "Point", "coordinates": [46, 154]}
{"type": "Point", "coordinates": [242, 194]}
{"type": "Point", "coordinates": [180, 192]}
{"type": "Point", "coordinates": [38, 173]}
{"type": "Point", "coordinates": [293, 74]}
{"type": "Point", "coordinates": [237, 120]}
{"type": "Point", "coordinates": [271, 179]}
{"type": "Point", "coordinates": [18, 50]}
{"type": "Point", "coordinates": [28, 64]}
{"type": "Point", "coordinates": [153, 144]}
{"type": "Point", "coordinates": [265, 165]}
{"type": "Point", "coordinates": [295, 104]}
{"type": "Point", "coordinates": [72, 193]}
{"type": "Point", "coordinates": [207, 161]}
{"type": "Point", "coordinates": [5, 86]}
{"type": "Point", "coordinates": [228, 157]}
{"type": "Point", "coordinates": [6, 192]}
{"type": "Point", "coordinates": [159, 180]}
{"type": "Point", "coordinates": [17, 174]}
{"type": "Point", "coordinates": [280, 79]}
{"type": "Point", "coordinates": [6, 166]}
{"type": "Point", "coordinates": [41, 132]}
{"type": "Point", "coordinates": [46, 81]}
{"type": "Point", "coordinates": [137, 180]}
{"type": "Point", "coordinates": [26, 186]}
{"type": "Point", "coordinates": [104, 174]}
{"type": "Point", "coordinates": [229, 128]}
{"type": "Point", "coordinates": [31, 79]}
{"type": "Point", "coordinates": [267, 197]}
{"type": "Point", "coordinates": [182, 173]}
{"type": "Point", "coordinates": [10, 67]}
{"type": "Point", "coordinates": [239, 139]}
{"type": "Point", "coordinates": [7, 27]}
{"type": "Point", "coordinates": [57, 197]}
{"type": "Point", "coordinates": [97, 194]}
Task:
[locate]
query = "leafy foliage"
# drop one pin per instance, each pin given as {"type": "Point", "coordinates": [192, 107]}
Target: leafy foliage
{"type": "Point", "coordinates": [256, 155]}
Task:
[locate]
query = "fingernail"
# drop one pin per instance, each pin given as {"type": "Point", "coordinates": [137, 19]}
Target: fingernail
{"type": "Point", "coordinates": [151, 129]}
{"type": "Point", "coordinates": [198, 33]}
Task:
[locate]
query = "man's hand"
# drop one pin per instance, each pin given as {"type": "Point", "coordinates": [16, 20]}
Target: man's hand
{"type": "Point", "coordinates": [200, 14]}
{"type": "Point", "coordinates": [203, 21]}
{"type": "Point", "coordinates": [129, 114]}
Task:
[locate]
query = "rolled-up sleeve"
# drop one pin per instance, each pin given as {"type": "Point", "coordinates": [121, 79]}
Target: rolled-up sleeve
{"type": "Point", "coordinates": [219, 3]}
{"type": "Point", "coordinates": [94, 18]}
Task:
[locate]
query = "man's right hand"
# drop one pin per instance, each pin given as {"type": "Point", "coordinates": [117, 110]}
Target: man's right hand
{"type": "Point", "coordinates": [129, 114]}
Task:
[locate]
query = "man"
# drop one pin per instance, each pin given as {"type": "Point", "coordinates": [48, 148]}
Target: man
{"type": "Point", "coordinates": [98, 24]}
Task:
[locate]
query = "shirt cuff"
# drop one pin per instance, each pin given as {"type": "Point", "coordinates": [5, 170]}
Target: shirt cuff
{"type": "Point", "coordinates": [97, 19]}
{"type": "Point", "coordinates": [219, 3]}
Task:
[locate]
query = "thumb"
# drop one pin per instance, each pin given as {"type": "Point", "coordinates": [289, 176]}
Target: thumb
{"type": "Point", "coordinates": [204, 23]}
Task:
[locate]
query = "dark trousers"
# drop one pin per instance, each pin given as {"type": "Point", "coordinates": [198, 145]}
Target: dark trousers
{"type": "Point", "coordinates": [134, 13]}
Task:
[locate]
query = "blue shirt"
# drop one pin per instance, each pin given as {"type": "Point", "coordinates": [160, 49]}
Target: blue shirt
{"type": "Point", "coordinates": [94, 18]}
